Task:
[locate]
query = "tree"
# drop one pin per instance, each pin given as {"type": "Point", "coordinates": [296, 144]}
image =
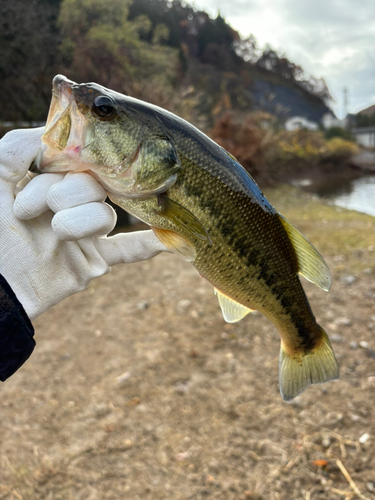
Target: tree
{"type": "Point", "coordinates": [29, 57]}
{"type": "Point", "coordinates": [101, 44]}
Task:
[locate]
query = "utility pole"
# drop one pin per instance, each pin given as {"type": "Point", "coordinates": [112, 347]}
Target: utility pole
{"type": "Point", "coordinates": [346, 92]}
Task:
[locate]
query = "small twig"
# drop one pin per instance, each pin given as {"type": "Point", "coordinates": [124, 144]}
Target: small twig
{"type": "Point", "coordinates": [341, 443]}
{"type": "Point", "coordinates": [15, 492]}
{"type": "Point", "coordinates": [350, 480]}
{"type": "Point", "coordinates": [347, 494]}
{"type": "Point", "coordinates": [291, 463]}
{"type": "Point", "coordinates": [254, 456]}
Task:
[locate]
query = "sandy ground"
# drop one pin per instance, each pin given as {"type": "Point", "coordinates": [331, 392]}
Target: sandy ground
{"type": "Point", "coordinates": [139, 390]}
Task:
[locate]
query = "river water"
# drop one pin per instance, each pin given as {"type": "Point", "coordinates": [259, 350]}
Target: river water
{"type": "Point", "coordinates": [356, 194]}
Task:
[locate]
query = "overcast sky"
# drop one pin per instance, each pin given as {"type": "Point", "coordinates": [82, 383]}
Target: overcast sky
{"type": "Point", "coordinates": [333, 39]}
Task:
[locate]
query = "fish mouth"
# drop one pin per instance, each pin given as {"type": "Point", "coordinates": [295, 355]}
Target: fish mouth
{"type": "Point", "coordinates": [63, 135]}
{"type": "Point", "coordinates": [67, 138]}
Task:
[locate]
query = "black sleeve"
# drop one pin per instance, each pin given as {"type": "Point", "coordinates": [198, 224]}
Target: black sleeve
{"type": "Point", "coordinates": [16, 332]}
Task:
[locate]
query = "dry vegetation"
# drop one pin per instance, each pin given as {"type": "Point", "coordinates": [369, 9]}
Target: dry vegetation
{"type": "Point", "coordinates": [139, 390]}
{"type": "Point", "coordinates": [272, 154]}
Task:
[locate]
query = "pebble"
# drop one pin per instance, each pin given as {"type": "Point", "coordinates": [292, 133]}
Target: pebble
{"type": "Point", "coordinates": [184, 455]}
{"type": "Point", "coordinates": [184, 303]}
{"type": "Point", "coordinates": [348, 279]}
{"type": "Point", "coordinates": [181, 387]}
{"type": "Point", "coordinates": [364, 344]}
{"type": "Point", "coordinates": [370, 486]}
{"type": "Point", "coordinates": [343, 321]}
{"type": "Point", "coordinates": [121, 379]}
{"type": "Point", "coordinates": [143, 304]}
{"type": "Point", "coordinates": [355, 418]}
{"type": "Point", "coordinates": [365, 437]}
{"type": "Point", "coordinates": [339, 258]}
{"type": "Point", "coordinates": [336, 337]}
{"type": "Point", "coordinates": [326, 442]}
{"type": "Point", "coordinates": [353, 345]}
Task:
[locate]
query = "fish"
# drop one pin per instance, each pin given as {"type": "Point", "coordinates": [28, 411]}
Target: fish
{"type": "Point", "coordinates": [203, 206]}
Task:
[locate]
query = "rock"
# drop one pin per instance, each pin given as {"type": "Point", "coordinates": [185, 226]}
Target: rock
{"type": "Point", "coordinates": [121, 379]}
{"type": "Point", "coordinates": [343, 321]}
{"type": "Point", "coordinates": [184, 455]}
{"type": "Point", "coordinates": [353, 345]}
{"type": "Point", "coordinates": [364, 438]}
{"type": "Point", "coordinates": [181, 387]}
{"type": "Point", "coordinates": [364, 344]}
{"type": "Point", "coordinates": [143, 304]}
{"type": "Point", "coordinates": [336, 337]}
{"type": "Point", "coordinates": [326, 441]}
{"type": "Point", "coordinates": [370, 486]}
{"type": "Point", "coordinates": [348, 280]}
{"type": "Point", "coordinates": [184, 304]}
{"type": "Point", "coordinates": [339, 258]}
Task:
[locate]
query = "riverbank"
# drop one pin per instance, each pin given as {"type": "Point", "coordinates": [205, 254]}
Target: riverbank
{"type": "Point", "coordinates": [139, 390]}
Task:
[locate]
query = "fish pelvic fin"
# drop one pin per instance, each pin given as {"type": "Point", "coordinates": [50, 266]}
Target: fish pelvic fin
{"type": "Point", "coordinates": [176, 244]}
{"type": "Point", "coordinates": [310, 263]}
{"type": "Point", "coordinates": [232, 310]}
{"type": "Point", "coordinates": [296, 373]}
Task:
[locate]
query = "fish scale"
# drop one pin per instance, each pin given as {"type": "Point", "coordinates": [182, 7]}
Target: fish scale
{"type": "Point", "coordinates": [203, 206]}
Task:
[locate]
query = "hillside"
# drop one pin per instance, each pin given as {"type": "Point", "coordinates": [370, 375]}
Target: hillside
{"type": "Point", "coordinates": [160, 51]}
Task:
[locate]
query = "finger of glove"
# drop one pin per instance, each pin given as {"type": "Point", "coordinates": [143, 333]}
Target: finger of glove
{"type": "Point", "coordinates": [129, 247]}
{"type": "Point", "coordinates": [91, 219]}
{"type": "Point", "coordinates": [32, 200]}
{"type": "Point", "coordinates": [18, 149]}
{"type": "Point", "coordinates": [74, 190]}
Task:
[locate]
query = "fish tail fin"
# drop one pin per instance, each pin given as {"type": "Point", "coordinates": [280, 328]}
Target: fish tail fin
{"type": "Point", "coordinates": [296, 373]}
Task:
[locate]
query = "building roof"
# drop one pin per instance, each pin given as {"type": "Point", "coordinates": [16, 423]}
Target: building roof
{"type": "Point", "coordinates": [362, 130]}
{"type": "Point", "coordinates": [367, 111]}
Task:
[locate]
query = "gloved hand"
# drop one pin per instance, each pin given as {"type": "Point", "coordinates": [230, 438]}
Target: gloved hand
{"type": "Point", "coordinates": [52, 234]}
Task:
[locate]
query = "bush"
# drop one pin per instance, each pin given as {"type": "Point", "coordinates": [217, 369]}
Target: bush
{"type": "Point", "coordinates": [338, 132]}
{"type": "Point", "coordinates": [338, 148]}
{"type": "Point", "coordinates": [271, 154]}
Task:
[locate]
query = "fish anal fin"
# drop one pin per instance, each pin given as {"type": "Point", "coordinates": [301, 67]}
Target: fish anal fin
{"type": "Point", "coordinates": [182, 218]}
{"type": "Point", "coordinates": [296, 373]}
{"type": "Point", "coordinates": [232, 310]}
{"type": "Point", "coordinates": [310, 263]}
{"type": "Point", "coordinates": [176, 244]}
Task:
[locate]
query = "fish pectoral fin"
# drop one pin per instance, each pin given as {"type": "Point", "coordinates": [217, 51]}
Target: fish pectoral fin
{"type": "Point", "coordinates": [182, 218]}
{"type": "Point", "coordinates": [310, 263]}
{"type": "Point", "coordinates": [176, 244]}
{"type": "Point", "coordinates": [232, 310]}
{"type": "Point", "coordinates": [297, 373]}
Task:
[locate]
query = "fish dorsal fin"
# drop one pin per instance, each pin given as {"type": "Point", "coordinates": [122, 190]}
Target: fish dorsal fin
{"type": "Point", "coordinates": [232, 310]}
{"type": "Point", "coordinates": [176, 244]}
{"type": "Point", "coordinates": [310, 263]}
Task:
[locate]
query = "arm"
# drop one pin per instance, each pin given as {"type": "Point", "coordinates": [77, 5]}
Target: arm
{"type": "Point", "coordinates": [16, 332]}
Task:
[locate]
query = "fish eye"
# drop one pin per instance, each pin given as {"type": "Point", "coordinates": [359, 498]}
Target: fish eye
{"type": "Point", "coordinates": [103, 107]}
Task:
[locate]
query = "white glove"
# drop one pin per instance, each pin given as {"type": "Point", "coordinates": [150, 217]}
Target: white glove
{"type": "Point", "coordinates": [52, 234]}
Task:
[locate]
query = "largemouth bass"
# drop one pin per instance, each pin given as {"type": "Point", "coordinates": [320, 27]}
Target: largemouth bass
{"type": "Point", "coordinates": [203, 206]}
